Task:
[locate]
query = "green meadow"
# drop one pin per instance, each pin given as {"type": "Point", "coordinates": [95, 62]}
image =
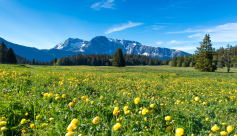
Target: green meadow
{"type": "Point", "coordinates": [111, 101]}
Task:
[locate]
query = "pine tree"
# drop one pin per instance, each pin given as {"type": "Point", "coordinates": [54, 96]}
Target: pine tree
{"type": "Point", "coordinates": [11, 57]}
{"type": "Point", "coordinates": [170, 63]}
{"type": "Point", "coordinates": [179, 64]}
{"type": "Point", "coordinates": [185, 62]}
{"type": "Point", "coordinates": [204, 53]}
{"type": "Point", "coordinates": [174, 60]}
{"type": "Point", "coordinates": [33, 62]}
{"type": "Point", "coordinates": [227, 57]}
{"type": "Point", "coordinates": [118, 59]}
{"type": "Point", "coordinates": [191, 64]}
{"type": "Point", "coordinates": [219, 65]}
{"type": "Point", "coordinates": [3, 53]}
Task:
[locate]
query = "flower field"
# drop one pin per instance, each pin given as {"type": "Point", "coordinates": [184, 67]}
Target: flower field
{"type": "Point", "coordinates": [104, 101]}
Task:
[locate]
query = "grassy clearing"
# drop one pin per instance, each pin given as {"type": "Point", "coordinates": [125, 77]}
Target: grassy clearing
{"type": "Point", "coordinates": [43, 100]}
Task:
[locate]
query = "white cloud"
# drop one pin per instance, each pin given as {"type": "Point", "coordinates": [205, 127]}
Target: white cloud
{"type": "Point", "coordinates": [187, 31]}
{"type": "Point", "coordinates": [198, 34]}
{"type": "Point", "coordinates": [221, 33]}
{"type": "Point", "coordinates": [156, 27]}
{"type": "Point", "coordinates": [184, 48]}
{"type": "Point", "coordinates": [122, 26]}
{"type": "Point", "coordinates": [173, 41]}
{"type": "Point", "coordinates": [159, 43]}
{"type": "Point", "coordinates": [179, 42]}
{"type": "Point", "coordinates": [103, 4]}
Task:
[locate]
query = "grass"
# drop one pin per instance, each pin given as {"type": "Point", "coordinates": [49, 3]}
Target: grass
{"type": "Point", "coordinates": [194, 100]}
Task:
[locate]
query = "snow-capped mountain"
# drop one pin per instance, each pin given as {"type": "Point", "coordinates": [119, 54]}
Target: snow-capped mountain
{"type": "Point", "coordinates": [101, 45]}
{"type": "Point", "coordinates": [97, 45]}
{"type": "Point", "coordinates": [71, 44]}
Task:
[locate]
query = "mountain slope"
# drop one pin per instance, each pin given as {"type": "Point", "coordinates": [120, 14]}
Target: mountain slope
{"type": "Point", "coordinates": [28, 52]}
{"type": "Point", "coordinates": [101, 45]}
{"type": "Point", "coordinates": [97, 45]}
{"type": "Point", "coordinates": [34, 53]}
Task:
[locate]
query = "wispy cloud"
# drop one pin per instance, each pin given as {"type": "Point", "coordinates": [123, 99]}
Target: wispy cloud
{"type": "Point", "coordinates": [103, 4]}
{"type": "Point", "coordinates": [187, 31]}
{"type": "Point", "coordinates": [175, 5]}
{"type": "Point", "coordinates": [179, 42]}
{"type": "Point", "coordinates": [159, 43]}
{"type": "Point", "coordinates": [156, 27]}
{"type": "Point", "coordinates": [122, 27]}
{"type": "Point", "coordinates": [198, 34]}
{"type": "Point", "coordinates": [184, 48]}
{"type": "Point", "coordinates": [162, 23]}
{"type": "Point", "coordinates": [221, 33]}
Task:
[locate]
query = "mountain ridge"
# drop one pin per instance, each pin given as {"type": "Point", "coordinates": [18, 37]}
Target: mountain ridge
{"type": "Point", "coordinates": [97, 45]}
{"type": "Point", "coordinates": [128, 46]}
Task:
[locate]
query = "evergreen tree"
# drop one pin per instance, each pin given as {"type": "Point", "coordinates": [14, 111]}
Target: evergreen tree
{"type": "Point", "coordinates": [185, 62]}
{"type": "Point", "coordinates": [227, 57]}
{"type": "Point", "coordinates": [11, 57]}
{"type": "Point", "coordinates": [179, 64]}
{"type": "Point", "coordinates": [204, 54]}
{"type": "Point", "coordinates": [33, 62]}
{"type": "Point", "coordinates": [191, 64]}
{"type": "Point", "coordinates": [118, 59]}
{"type": "Point", "coordinates": [170, 63]}
{"type": "Point", "coordinates": [174, 60]}
{"type": "Point", "coordinates": [3, 53]}
{"type": "Point", "coordinates": [219, 65]}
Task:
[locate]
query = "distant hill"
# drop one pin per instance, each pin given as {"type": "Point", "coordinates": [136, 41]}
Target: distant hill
{"type": "Point", "coordinates": [97, 45]}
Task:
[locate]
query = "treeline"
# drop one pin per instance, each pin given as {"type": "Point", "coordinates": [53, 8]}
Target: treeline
{"type": "Point", "coordinates": [7, 56]}
{"type": "Point", "coordinates": [228, 54]}
{"type": "Point", "coordinates": [220, 58]}
{"type": "Point", "coordinates": [95, 60]}
{"type": "Point", "coordinates": [104, 60]}
{"type": "Point", "coordinates": [183, 61]}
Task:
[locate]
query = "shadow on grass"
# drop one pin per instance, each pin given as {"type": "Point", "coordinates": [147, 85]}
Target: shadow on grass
{"type": "Point", "coordinates": [225, 72]}
{"type": "Point", "coordinates": [22, 66]}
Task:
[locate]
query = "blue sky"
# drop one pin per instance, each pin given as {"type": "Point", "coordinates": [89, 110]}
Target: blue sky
{"type": "Point", "coordinates": [176, 24]}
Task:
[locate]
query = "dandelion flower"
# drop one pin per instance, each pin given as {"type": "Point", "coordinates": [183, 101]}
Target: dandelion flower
{"type": "Point", "coordinates": [69, 134]}
{"type": "Point", "coordinates": [229, 129]}
{"type": "Point", "coordinates": [96, 120]}
{"type": "Point", "coordinates": [3, 118]}
{"type": "Point", "coordinates": [179, 131]}
{"type": "Point", "coordinates": [136, 101]}
{"type": "Point", "coordinates": [117, 126]}
{"type": "Point", "coordinates": [3, 123]}
{"type": "Point", "coordinates": [196, 99]}
{"type": "Point", "coordinates": [167, 118]}
{"type": "Point", "coordinates": [144, 111]}
{"type": "Point", "coordinates": [223, 133]}
{"type": "Point", "coordinates": [71, 104]}
{"type": "Point", "coordinates": [51, 119]}
{"type": "Point", "coordinates": [152, 105]}
{"type": "Point", "coordinates": [23, 121]}
{"type": "Point", "coordinates": [3, 129]}
{"type": "Point", "coordinates": [215, 128]}
{"type": "Point", "coordinates": [32, 125]}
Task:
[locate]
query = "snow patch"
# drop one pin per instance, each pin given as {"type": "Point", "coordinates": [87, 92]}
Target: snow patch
{"type": "Point", "coordinates": [145, 54]}
{"type": "Point", "coordinates": [79, 44]}
{"type": "Point", "coordinates": [59, 47]}
{"type": "Point", "coordinates": [81, 50]}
